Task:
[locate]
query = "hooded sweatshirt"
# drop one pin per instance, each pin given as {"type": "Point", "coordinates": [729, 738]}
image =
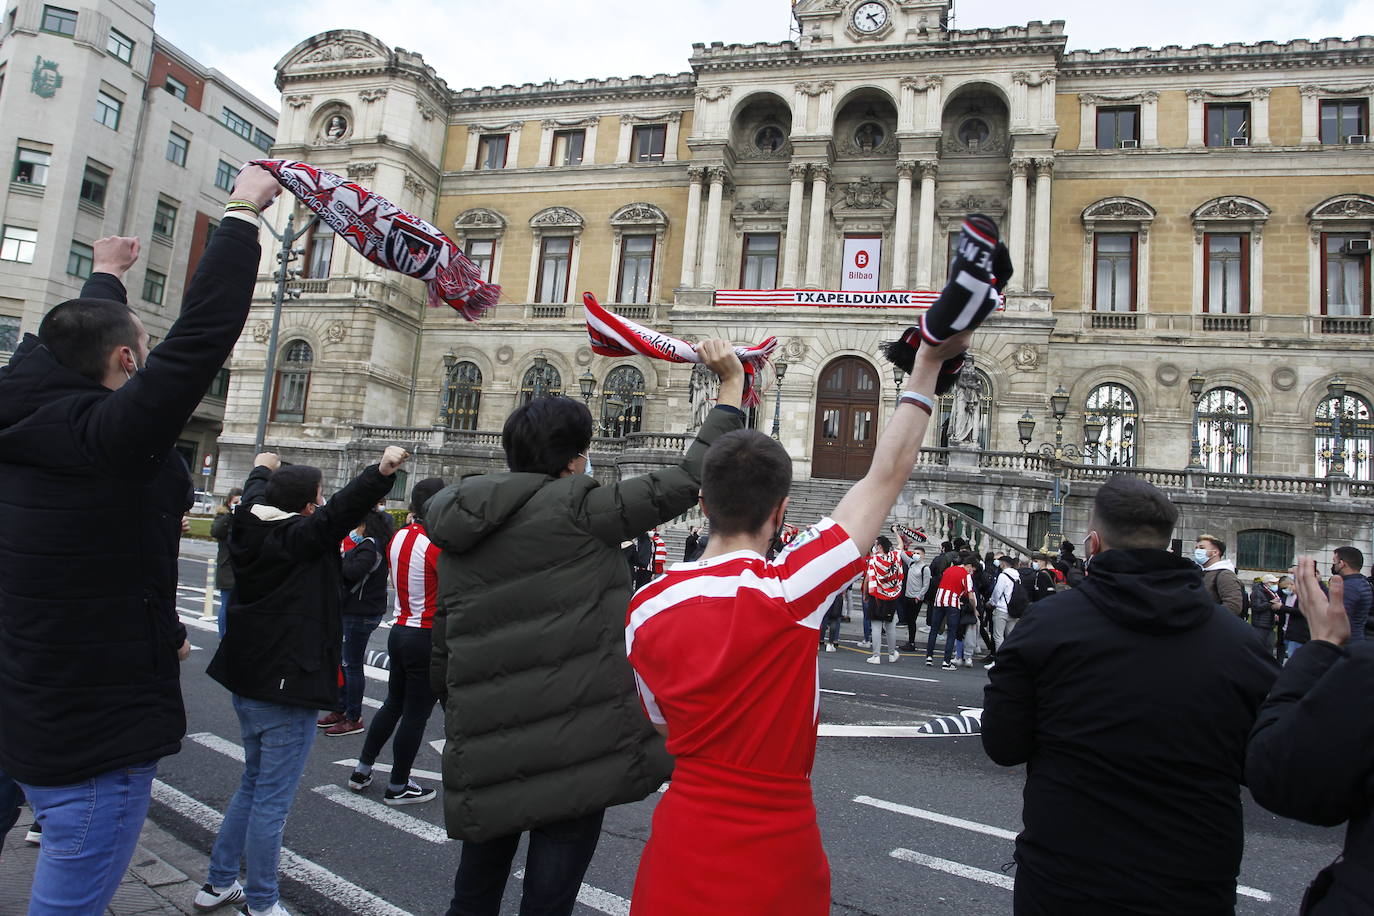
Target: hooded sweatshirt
{"type": "Point", "coordinates": [1224, 585]}
{"type": "Point", "coordinates": [1129, 699]}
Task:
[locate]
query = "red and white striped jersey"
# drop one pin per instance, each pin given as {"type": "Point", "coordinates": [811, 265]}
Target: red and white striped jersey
{"type": "Point", "coordinates": [749, 694]}
{"type": "Point", "coordinates": [884, 577]}
{"type": "Point", "coordinates": [660, 554]}
{"type": "Point", "coordinates": [414, 569]}
{"type": "Point", "coordinates": [954, 585]}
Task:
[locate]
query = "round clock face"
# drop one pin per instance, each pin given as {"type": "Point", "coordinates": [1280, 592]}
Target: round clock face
{"type": "Point", "coordinates": [870, 17]}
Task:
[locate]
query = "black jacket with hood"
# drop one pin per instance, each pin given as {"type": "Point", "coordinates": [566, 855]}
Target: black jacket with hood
{"type": "Point", "coordinates": [1129, 699]}
{"type": "Point", "coordinates": [91, 499]}
{"type": "Point", "coordinates": [284, 633]}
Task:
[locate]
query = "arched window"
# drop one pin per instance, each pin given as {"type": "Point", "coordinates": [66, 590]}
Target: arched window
{"type": "Point", "coordinates": [1356, 435]}
{"type": "Point", "coordinates": [293, 382]}
{"type": "Point", "coordinates": [464, 395]}
{"type": "Point", "coordinates": [1224, 430]}
{"type": "Point", "coordinates": [540, 379]}
{"type": "Point", "coordinates": [984, 412]}
{"type": "Point", "coordinates": [1263, 548]}
{"type": "Point", "coordinates": [622, 402]}
{"type": "Point", "coordinates": [1115, 406]}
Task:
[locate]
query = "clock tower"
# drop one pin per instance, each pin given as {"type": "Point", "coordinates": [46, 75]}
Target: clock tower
{"type": "Point", "coordinates": [851, 23]}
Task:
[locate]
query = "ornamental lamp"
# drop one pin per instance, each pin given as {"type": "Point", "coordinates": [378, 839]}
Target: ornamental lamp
{"type": "Point", "coordinates": [897, 375]}
{"type": "Point", "coordinates": [540, 362]}
{"type": "Point", "coordinates": [1025, 428]}
{"type": "Point", "coordinates": [450, 360]}
{"type": "Point", "coordinates": [1195, 383]}
{"type": "Point", "coordinates": [780, 367]}
{"type": "Point", "coordinates": [587, 383]}
{"type": "Point", "coordinates": [1092, 428]}
{"type": "Point", "coordinates": [1335, 389]}
{"type": "Point", "coordinates": [1059, 403]}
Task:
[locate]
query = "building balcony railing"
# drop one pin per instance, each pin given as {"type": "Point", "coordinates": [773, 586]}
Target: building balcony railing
{"type": "Point", "coordinates": [1360, 326]}
{"type": "Point", "coordinates": [1291, 327]}
{"type": "Point", "coordinates": [1224, 323]}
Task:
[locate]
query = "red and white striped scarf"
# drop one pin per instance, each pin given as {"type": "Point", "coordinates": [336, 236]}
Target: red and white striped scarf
{"type": "Point", "coordinates": [612, 335]}
{"type": "Point", "coordinates": [884, 575]}
{"type": "Point", "coordinates": [388, 236]}
{"type": "Point", "coordinates": [660, 554]}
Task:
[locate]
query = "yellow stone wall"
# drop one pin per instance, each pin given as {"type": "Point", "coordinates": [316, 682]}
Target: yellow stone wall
{"type": "Point", "coordinates": [1285, 116]}
{"type": "Point", "coordinates": [456, 148]}
{"type": "Point", "coordinates": [1285, 278]}
{"type": "Point", "coordinates": [1173, 119]}
{"type": "Point", "coordinates": [1068, 112]}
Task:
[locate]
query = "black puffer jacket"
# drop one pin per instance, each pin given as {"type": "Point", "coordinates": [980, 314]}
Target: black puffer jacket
{"type": "Point", "coordinates": [540, 709]}
{"type": "Point", "coordinates": [1130, 699]}
{"type": "Point", "coordinates": [1311, 758]}
{"type": "Point", "coordinates": [364, 579]}
{"type": "Point", "coordinates": [91, 499]}
{"type": "Point", "coordinates": [1261, 614]}
{"type": "Point", "coordinates": [224, 570]}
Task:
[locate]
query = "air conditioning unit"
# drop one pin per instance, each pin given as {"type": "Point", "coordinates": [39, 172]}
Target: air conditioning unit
{"type": "Point", "coordinates": [1240, 141]}
{"type": "Point", "coordinates": [1356, 247]}
{"type": "Point", "coordinates": [1130, 144]}
{"type": "Point", "coordinates": [1357, 138]}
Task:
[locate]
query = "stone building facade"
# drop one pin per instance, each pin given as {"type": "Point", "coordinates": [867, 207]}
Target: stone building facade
{"type": "Point", "coordinates": [1190, 229]}
{"type": "Point", "coordinates": [114, 131]}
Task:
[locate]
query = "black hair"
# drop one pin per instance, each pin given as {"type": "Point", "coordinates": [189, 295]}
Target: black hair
{"type": "Point", "coordinates": [1066, 547]}
{"type": "Point", "coordinates": [378, 526]}
{"type": "Point", "coordinates": [967, 558]}
{"type": "Point", "coordinates": [234, 491]}
{"type": "Point", "coordinates": [1131, 513]}
{"type": "Point", "coordinates": [1351, 556]}
{"type": "Point", "coordinates": [743, 479]}
{"type": "Point", "coordinates": [541, 437]}
{"type": "Point", "coordinates": [989, 558]}
{"type": "Point", "coordinates": [293, 487]}
{"type": "Point", "coordinates": [960, 544]}
{"type": "Point", "coordinates": [946, 546]}
{"type": "Point", "coordinates": [885, 544]}
{"type": "Point", "coordinates": [80, 333]}
{"type": "Point", "coordinates": [423, 492]}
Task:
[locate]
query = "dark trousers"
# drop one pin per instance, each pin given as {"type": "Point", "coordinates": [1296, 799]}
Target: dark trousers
{"type": "Point", "coordinates": [11, 797]}
{"type": "Point", "coordinates": [868, 617]}
{"type": "Point", "coordinates": [949, 618]}
{"type": "Point", "coordinates": [555, 863]}
{"type": "Point", "coordinates": [409, 701]}
{"type": "Point", "coordinates": [356, 632]}
{"type": "Point", "coordinates": [830, 625]}
{"type": "Point", "coordinates": [908, 612]}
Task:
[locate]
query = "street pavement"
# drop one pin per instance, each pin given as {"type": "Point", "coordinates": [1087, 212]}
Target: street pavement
{"type": "Point", "coordinates": [912, 824]}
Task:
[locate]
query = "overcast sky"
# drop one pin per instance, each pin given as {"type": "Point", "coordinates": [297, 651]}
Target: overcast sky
{"type": "Point", "coordinates": [493, 43]}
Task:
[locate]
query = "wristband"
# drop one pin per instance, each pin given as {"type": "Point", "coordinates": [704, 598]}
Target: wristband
{"type": "Point", "coordinates": [920, 400]}
{"type": "Point", "coordinates": [238, 204]}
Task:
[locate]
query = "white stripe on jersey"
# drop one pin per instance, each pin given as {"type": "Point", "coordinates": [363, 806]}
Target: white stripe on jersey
{"type": "Point", "coordinates": [650, 703]}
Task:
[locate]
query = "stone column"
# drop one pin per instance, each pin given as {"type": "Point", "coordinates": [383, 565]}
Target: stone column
{"type": "Point", "coordinates": [934, 99]}
{"type": "Point", "coordinates": [1044, 168]}
{"type": "Point", "coordinates": [925, 225]}
{"type": "Point", "coordinates": [791, 258]}
{"type": "Point", "coordinates": [1020, 98]}
{"type": "Point", "coordinates": [1047, 113]}
{"type": "Point", "coordinates": [906, 106]}
{"type": "Point", "coordinates": [693, 227]}
{"type": "Point", "coordinates": [825, 115]}
{"type": "Point", "coordinates": [1015, 230]}
{"type": "Point", "coordinates": [710, 249]}
{"type": "Point", "coordinates": [901, 234]}
{"type": "Point", "coordinates": [1311, 115]}
{"type": "Point", "coordinates": [820, 179]}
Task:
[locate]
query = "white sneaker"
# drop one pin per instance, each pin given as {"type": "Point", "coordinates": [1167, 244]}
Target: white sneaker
{"type": "Point", "coordinates": [275, 909]}
{"type": "Point", "coordinates": [895, 656]}
{"type": "Point", "coordinates": [207, 898]}
{"type": "Point", "coordinates": [865, 644]}
{"type": "Point", "coordinates": [830, 647]}
{"type": "Point", "coordinates": [968, 662]}
{"type": "Point", "coordinates": [989, 666]}
{"type": "Point", "coordinates": [875, 659]}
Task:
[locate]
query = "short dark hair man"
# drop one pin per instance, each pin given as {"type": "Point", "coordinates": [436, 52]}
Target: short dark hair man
{"type": "Point", "coordinates": [1347, 562]}
{"type": "Point", "coordinates": [1219, 573]}
{"type": "Point", "coordinates": [90, 685]}
{"type": "Point", "coordinates": [1130, 698]}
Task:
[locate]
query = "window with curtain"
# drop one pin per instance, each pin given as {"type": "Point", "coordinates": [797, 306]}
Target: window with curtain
{"type": "Point", "coordinates": [1345, 275]}
{"type": "Point", "coordinates": [1357, 435]}
{"type": "Point", "coordinates": [1224, 429]}
{"type": "Point", "coordinates": [1226, 287]}
{"type": "Point", "coordinates": [1114, 271]}
{"type": "Point", "coordinates": [1116, 406]}
{"type": "Point", "coordinates": [555, 264]}
{"type": "Point", "coordinates": [636, 268]}
{"type": "Point", "coordinates": [482, 252]}
{"type": "Point", "coordinates": [760, 267]}
{"type": "Point", "coordinates": [319, 255]}
{"type": "Point", "coordinates": [293, 382]}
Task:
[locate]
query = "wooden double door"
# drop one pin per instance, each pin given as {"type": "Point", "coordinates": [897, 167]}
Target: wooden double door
{"type": "Point", "coordinates": [846, 419]}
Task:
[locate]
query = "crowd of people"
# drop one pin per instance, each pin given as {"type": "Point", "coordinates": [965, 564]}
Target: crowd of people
{"type": "Point", "coordinates": [538, 608]}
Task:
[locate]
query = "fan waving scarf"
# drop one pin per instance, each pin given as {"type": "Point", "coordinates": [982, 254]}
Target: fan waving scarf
{"type": "Point", "coordinates": [388, 236]}
{"type": "Point", "coordinates": [612, 335]}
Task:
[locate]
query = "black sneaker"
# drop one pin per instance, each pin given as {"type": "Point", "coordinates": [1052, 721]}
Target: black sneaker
{"type": "Point", "coordinates": [950, 666]}
{"type": "Point", "coordinates": [410, 795]}
{"type": "Point", "coordinates": [359, 781]}
{"type": "Point", "coordinates": [930, 662]}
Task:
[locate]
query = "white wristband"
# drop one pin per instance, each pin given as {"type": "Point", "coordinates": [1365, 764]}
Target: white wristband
{"type": "Point", "coordinates": [920, 400]}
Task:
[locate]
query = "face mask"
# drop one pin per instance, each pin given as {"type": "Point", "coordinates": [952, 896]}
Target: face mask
{"type": "Point", "coordinates": [355, 537]}
{"type": "Point", "coordinates": [1200, 555]}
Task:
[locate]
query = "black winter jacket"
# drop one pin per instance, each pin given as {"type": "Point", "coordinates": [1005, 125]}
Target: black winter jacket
{"type": "Point", "coordinates": [364, 579]}
{"type": "Point", "coordinates": [1129, 699]}
{"type": "Point", "coordinates": [284, 634]}
{"type": "Point", "coordinates": [1261, 614]}
{"type": "Point", "coordinates": [1311, 758]}
{"type": "Point", "coordinates": [224, 570]}
{"type": "Point", "coordinates": [91, 499]}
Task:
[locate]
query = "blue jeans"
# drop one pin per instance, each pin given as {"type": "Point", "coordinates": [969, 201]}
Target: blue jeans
{"type": "Point", "coordinates": [356, 632]}
{"type": "Point", "coordinates": [226, 598]}
{"type": "Point", "coordinates": [276, 742]}
{"type": "Point", "coordinates": [949, 617]}
{"type": "Point", "coordinates": [90, 830]}
{"type": "Point", "coordinates": [1292, 647]}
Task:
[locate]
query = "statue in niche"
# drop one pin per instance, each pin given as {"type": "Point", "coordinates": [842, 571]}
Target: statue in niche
{"type": "Point", "coordinates": [769, 139]}
{"type": "Point", "coordinates": [701, 394]}
{"type": "Point", "coordinates": [968, 408]}
{"type": "Point", "coordinates": [336, 127]}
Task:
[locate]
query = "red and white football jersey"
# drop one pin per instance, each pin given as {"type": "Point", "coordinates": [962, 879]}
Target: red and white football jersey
{"type": "Point", "coordinates": [724, 650]}
{"type": "Point", "coordinates": [954, 585]}
{"type": "Point", "coordinates": [414, 569]}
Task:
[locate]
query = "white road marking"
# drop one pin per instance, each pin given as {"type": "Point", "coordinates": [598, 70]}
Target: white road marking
{"type": "Point", "coordinates": [352, 763]}
{"type": "Point", "coordinates": [870, 731]}
{"type": "Point", "coordinates": [348, 895]}
{"type": "Point", "coordinates": [216, 743]}
{"type": "Point", "coordinates": [843, 693]}
{"type": "Point", "coordinates": [438, 746]}
{"type": "Point", "coordinates": [899, 677]}
{"type": "Point", "coordinates": [371, 703]}
{"type": "Point", "coordinates": [996, 879]}
{"type": "Point", "coordinates": [1254, 893]}
{"type": "Point", "coordinates": [594, 897]}
{"type": "Point", "coordinates": [937, 817]}
{"type": "Point", "coordinates": [385, 814]}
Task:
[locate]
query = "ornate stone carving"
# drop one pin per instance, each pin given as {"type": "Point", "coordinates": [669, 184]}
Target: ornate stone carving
{"type": "Point", "coordinates": [1167, 374]}
{"type": "Point", "coordinates": [1119, 208]}
{"type": "Point", "coordinates": [1149, 96]}
{"type": "Point", "coordinates": [479, 218]}
{"type": "Point", "coordinates": [1284, 378]}
{"type": "Point", "coordinates": [971, 203]}
{"type": "Point", "coordinates": [713, 93]}
{"type": "Point", "coordinates": [911, 82]}
{"type": "Point", "coordinates": [718, 174]}
{"type": "Point", "coordinates": [695, 174]}
{"type": "Point", "coordinates": [639, 214]}
{"type": "Point", "coordinates": [820, 172]}
{"type": "Point", "coordinates": [261, 332]}
{"type": "Point", "coordinates": [1020, 168]}
{"type": "Point", "coordinates": [794, 349]}
{"type": "Point", "coordinates": [338, 51]}
{"type": "Point", "coordinates": [815, 88]}
{"type": "Point", "coordinates": [763, 204]}
{"type": "Point", "coordinates": [865, 194]}
{"type": "Point", "coordinates": [1020, 77]}
{"type": "Point", "coordinates": [583, 356]}
{"type": "Point", "coordinates": [414, 185]}
{"type": "Point", "coordinates": [427, 112]}
{"type": "Point", "coordinates": [361, 169]}
{"type": "Point", "coordinates": [906, 168]}
{"type": "Point", "coordinates": [797, 171]}
{"type": "Point", "coordinates": [1311, 90]}
{"type": "Point", "coordinates": [1044, 166]}
{"type": "Point", "coordinates": [1232, 208]}
{"type": "Point", "coordinates": [930, 168]}
{"type": "Point", "coordinates": [298, 101]}
{"type": "Point", "coordinates": [336, 332]}
{"type": "Point", "coordinates": [556, 217]}
{"type": "Point", "coordinates": [372, 95]}
{"type": "Point", "coordinates": [1026, 358]}
{"type": "Point", "coordinates": [1346, 206]}
{"type": "Point", "coordinates": [504, 354]}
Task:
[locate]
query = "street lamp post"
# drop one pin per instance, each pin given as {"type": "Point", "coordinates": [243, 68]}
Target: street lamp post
{"type": "Point", "coordinates": [1195, 383]}
{"type": "Point", "coordinates": [445, 419]}
{"type": "Point", "coordinates": [1335, 390]}
{"type": "Point", "coordinates": [586, 382]}
{"type": "Point", "coordinates": [541, 366]}
{"type": "Point", "coordinates": [1055, 454]}
{"type": "Point", "coordinates": [780, 369]}
{"type": "Point", "coordinates": [284, 272]}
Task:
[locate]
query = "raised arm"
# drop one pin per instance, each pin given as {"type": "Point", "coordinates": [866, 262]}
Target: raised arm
{"type": "Point", "coordinates": [864, 508]}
